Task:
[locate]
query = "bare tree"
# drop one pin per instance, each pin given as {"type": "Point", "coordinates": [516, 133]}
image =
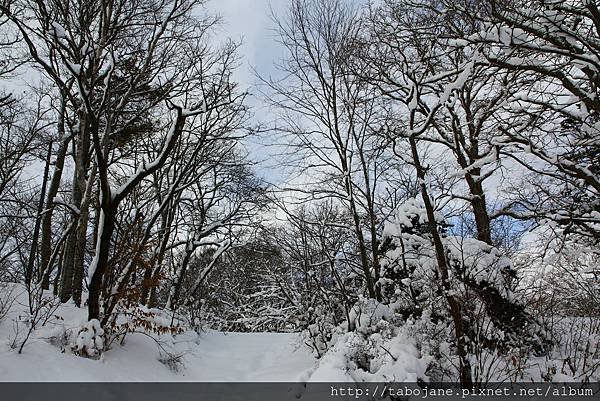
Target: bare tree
{"type": "Point", "coordinates": [329, 118]}
{"type": "Point", "coordinates": [116, 64]}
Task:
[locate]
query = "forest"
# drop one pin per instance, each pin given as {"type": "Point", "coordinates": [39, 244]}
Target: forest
{"type": "Point", "coordinates": [424, 204]}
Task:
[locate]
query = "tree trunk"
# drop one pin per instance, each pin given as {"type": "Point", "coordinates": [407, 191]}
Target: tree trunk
{"type": "Point", "coordinates": [151, 273]}
{"type": "Point", "coordinates": [482, 218]}
{"type": "Point", "coordinates": [46, 240]}
{"type": "Point", "coordinates": [79, 183]}
{"type": "Point", "coordinates": [81, 239]}
{"type": "Point", "coordinates": [58, 272]}
{"type": "Point", "coordinates": [176, 288]}
{"type": "Point", "coordinates": [362, 247]}
{"type": "Point", "coordinates": [100, 263]}
{"type": "Point", "coordinates": [466, 379]}
{"type": "Point", "coordinates": [38, 218]}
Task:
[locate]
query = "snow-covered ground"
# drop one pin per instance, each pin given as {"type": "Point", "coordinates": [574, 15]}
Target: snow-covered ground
{"type": "Point", "coordinates": [209, 356]}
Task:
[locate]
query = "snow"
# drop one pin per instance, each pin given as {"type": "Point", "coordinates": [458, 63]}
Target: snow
{"type": "Point", "coordinates": [489, 158]}
{"type": "Point", "coordinates": [252, 357]}
{"type": "Point", "coordinates": [412, 210]}
{"type": "Point", "coordinates": [89, 340]}
{"type": "Point", "coordinates": [92, 267]}
{"type": "Point", "coordinates": [460, 81]}
{"type": "Point", "coordinates": [210, 356]}
{"type": "Point", "coordinates": [75, 68]}
{"type": "Point", "coordinates": [59, 30]}
{"type": "Point", "coordinates": [395, 359]}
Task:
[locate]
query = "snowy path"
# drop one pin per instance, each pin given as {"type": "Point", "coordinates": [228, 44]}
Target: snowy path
{"type": "Point", "coordinates": [249, 357]}
{"type": "Point", "coordinates": [210, 356]}
{"type": "Point", "coordinates": [213, 356]}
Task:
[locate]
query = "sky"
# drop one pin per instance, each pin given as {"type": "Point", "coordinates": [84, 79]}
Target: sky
{"type": "Point", "coordinates": [250, 21]}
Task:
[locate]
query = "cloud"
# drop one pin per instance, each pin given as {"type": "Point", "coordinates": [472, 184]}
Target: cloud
{"type": "Point", "coordinates": [250, 22]}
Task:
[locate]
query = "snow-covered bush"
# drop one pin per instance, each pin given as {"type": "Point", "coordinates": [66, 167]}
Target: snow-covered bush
{"type": "Point", "coordinates": [564, 280]}
{"type": "Point", "coordinates": [90, 340]}
{"type": "Point", "coordinates": [242, 293]}
{"type": "Point", "coordinates": [576, 356]}
{"type": "Point", "coordinates": [481, 280]}
{"type": "Point", "coordinates": [378, 349]}
{"type": "Point", "coordinates": [319, 325]}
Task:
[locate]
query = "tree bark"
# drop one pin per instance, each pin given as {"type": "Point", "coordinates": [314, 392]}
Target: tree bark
{"type": "Point", "coordinates": [81, 239]}
{"type": "Point", "coordinates": [36, 230]}
{"type": "Point", "coordinates": [76, 241]}
{"type": "Point", "coordinates": [482, 218]}
{"type": "Point", "coordinates": [46, 240]}
{"type": "Point", "coordinates": [101, 259]}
